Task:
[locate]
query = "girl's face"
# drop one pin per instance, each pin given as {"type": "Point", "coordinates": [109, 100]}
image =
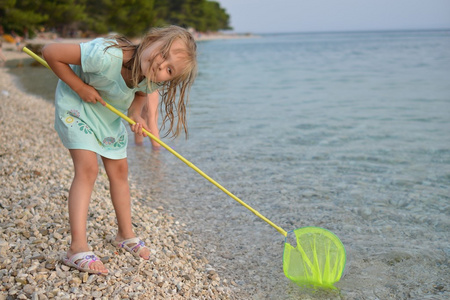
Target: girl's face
{"type": "Point", "coordinates": [163, 68]}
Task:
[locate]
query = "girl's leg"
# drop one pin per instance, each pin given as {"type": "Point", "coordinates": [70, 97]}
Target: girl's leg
{"type": "Point", "coordinates": [117, 171]}
{"type": "Point", "coordinates": [139, 139]}
{"type": "Point", "coordinates": [86, 170]}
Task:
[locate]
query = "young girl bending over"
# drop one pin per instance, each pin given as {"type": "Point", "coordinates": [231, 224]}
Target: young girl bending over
{"type": "Point", "coordinates": [114, 70]}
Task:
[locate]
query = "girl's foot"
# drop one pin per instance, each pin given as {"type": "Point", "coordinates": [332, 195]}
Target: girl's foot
{"type": "Point", "coordinates": [85, 262]}
{"type": "Point", "coordinates": [133, 245]}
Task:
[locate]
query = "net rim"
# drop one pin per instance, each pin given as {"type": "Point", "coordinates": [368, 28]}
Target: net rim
{"type": "Point", "coordinates": [319, 230]}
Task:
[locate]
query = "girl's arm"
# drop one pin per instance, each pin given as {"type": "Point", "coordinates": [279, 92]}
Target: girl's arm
{"type": "Point", "coordinates": [58, 57]}
{"type": "Point", "coordinates": [135, 111]}
{"type": "Point", "coordinates": [152, 111]}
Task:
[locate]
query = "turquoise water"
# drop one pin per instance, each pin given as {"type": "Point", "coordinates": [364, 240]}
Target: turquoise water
{"type": "Point", "coordinates": [346, 131]}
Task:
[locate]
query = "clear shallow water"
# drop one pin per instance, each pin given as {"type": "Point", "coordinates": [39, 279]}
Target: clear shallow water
{"type": "Point", "coordinates": [347, 131]}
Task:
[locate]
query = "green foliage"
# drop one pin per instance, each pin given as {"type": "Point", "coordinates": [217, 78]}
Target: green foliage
{"type": "Point", "coordinates": [199, 14]}
{"type": "Point", "coordinates": [215, 18]}
{"type": "Point", "coordinates": [17, 16]}
{"type": "Point", "coordinates": [128, 17]}
{"type": "Point", "coordinates": [122, 16]}
{"type": "Point", "coordinates": [64, 15]}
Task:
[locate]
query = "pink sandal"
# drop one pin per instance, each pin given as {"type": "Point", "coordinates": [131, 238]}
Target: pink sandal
{"type": "Point", "coordinates": [82, 261]}
{"type": "Point", "coordinates": [138, 246]}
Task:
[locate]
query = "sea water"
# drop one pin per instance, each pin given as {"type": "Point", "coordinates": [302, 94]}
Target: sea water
{"type": "Point", "coordinates": [345, 131]}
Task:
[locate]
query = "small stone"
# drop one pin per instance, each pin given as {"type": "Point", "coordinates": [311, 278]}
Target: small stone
{"type": "Point", "coordinates": [187, 277]}
{"type": "Point", "coordinates": [211, 271]}
{"type": "Point", "coordinates": [57, 236]}
{"type": "Point", "coordinates": [65, 268]}
{"type": "Point", "coordinates": [214, 277]}
{"type": "Point", "coordinates": [97, 294]}
{"type": "Point", "coordinates": [32, 268]}
{"type": "Point", "coordinates": [40, 277]}
{"type": "Point", "coordinates": [20, 223]}
{"type": "Point", "coordinates": [75, 281]}
{"type": "Point", "coordinates": [160, 281]}
{"type": "Point", "coordinates": [60, 273]}
{"type": "Point", "coordinates": [38, 257]}
{"type": "Point", "coordinates": [22, 280]}
{"type": "Point", "coordinates": [28, 289]}
{"type": "Point", "coordinates": [105, 259]}
{"type": "Point", "coordinates": [34, 296]}
{"type": "Point", "coordinates": [90, 279]}
{"type": "Point", "coordinates": [4, 247]}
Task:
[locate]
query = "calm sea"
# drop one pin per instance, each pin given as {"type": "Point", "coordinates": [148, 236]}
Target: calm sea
{"type": "Point", "coordinates": [346, 131]}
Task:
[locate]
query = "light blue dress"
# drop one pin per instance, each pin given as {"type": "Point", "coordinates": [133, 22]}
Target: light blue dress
{"type": "Point", "coordinates": [83, 125]}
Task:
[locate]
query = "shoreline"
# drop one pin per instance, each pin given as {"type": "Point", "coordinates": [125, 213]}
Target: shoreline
{"type": "Point", "coordinates": [34, 232]}
{"type": "Point", "coordinates": [198, 36]}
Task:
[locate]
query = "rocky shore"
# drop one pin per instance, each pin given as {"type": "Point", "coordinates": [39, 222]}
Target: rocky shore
{"type": "Point", "coordinates": [36, 172]}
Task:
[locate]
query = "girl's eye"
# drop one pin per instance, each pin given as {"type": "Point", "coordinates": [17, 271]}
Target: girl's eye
{"type": "Point", "coordinates": [169, 70]}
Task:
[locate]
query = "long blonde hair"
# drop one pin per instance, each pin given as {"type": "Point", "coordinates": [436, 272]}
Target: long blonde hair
{"type": "Point", "coordinates": [169, 90]}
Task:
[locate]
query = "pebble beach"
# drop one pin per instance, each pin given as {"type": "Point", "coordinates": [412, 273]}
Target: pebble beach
{"type": "Point", "coordinates": [36, 173]}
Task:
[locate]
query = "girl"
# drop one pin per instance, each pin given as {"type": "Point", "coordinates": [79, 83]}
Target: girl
{"type": "Point", "coordinates": [115, 70]}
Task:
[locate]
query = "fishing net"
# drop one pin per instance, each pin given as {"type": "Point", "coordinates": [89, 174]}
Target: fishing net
{"type": "Point", "coordinates": [318, 258]}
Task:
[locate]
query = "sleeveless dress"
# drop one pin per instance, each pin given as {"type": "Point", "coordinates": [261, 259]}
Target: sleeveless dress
{"type": "Point", "coordinates": [88, 126]}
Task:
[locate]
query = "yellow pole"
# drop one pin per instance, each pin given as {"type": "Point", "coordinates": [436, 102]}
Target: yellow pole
{"type": "Point", "coordinates": [120, 114]}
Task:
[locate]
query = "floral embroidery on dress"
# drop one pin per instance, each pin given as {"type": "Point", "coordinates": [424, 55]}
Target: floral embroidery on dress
{"type": "Point", "coordinates": [74, 112]}
{"type": "Point", "coordinates": [120, 142]}
{"type": "Point", "coordinates": [84, 127]}
{"type": "Point", "coordinates": [109, 140]}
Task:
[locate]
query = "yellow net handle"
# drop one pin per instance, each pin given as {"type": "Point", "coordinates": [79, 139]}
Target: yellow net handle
{"type": "Point", "coordinates": [120, 114]}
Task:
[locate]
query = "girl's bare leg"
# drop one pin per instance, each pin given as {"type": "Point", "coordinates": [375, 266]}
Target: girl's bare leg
{"type": "Point", "coordinates": [117, 171]}
{"type": "Point", "coordinates": [86, 170]}
{"type": "Point", "coordinates": [139, 139]}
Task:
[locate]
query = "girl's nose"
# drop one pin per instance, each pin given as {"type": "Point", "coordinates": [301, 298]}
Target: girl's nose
{"type": "Point", "coordinates": [161, 65]}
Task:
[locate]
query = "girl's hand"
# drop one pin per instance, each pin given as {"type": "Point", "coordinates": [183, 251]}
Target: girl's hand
{"type": "Point", "coordinates": [89, 94]}
{"type": "Point", "coordinates": [137, 128]}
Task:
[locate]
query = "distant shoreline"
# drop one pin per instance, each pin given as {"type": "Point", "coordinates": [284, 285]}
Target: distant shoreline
{"type": "Point", "coordinates": [11, 51]}
{"type": "Point", "coordinates": [198, 36]}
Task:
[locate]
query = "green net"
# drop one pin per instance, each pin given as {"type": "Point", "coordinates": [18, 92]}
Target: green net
{"type": "Point", "coordinates": [318, 258]}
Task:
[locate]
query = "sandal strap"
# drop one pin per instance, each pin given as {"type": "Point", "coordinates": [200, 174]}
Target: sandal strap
{"type": "Point", "coordinates": [84, 258]}
{"type": "Point", "coordinates": [138, 247]}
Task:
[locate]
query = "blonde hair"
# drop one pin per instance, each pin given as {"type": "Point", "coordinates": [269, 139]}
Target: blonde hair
{"type": "Point", "coordinates": [169, 90]}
